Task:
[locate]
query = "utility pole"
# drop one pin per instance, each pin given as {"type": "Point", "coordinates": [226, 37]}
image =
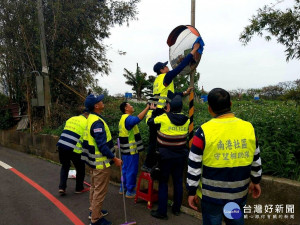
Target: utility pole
{"type": "Point", "coordinates": [192, 75]}
{"type": "Point", "coordinates": [193, 6]}
{"type": "Point", "coordinates": [45, 70]}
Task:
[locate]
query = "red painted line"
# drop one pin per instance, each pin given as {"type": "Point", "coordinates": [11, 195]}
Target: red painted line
{"type": "Point", "coordinates": [86, 183]}
{"type": "Point", "coordinates": [54, 200]}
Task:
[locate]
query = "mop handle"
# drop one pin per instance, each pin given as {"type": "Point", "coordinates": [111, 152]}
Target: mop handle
{"type": "Point", "coordinates": [122, 182]}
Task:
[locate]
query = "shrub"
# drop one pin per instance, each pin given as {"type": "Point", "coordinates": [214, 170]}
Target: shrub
{"type": "Point", "coordinates": [6, 120]}
{"type": "Point", "coordinates": [277, 129]}
{"type": "Point", "coordinates": [276, 123]}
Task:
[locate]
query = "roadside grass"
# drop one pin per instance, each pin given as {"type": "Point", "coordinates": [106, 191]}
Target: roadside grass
{"type": "Point", "coordinates": [276, 123]}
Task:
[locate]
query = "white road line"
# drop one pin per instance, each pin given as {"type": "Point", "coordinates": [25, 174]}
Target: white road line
{"type": "Point", "coordinates": [5, 166]}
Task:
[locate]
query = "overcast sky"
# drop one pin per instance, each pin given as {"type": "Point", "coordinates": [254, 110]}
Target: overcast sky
{"type": "Point", "coordinates": [225, 62]}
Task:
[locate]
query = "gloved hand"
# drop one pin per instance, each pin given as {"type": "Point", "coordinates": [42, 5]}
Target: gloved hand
{"type": "Point", "coordinates": [201, 42]}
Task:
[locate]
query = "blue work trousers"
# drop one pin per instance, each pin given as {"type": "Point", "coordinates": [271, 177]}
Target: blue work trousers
{"type": "Point", "coordinates": [169, 167]}
{"type": "Point", "coordinates": [130, 170]}
{"type": "Point", "coordinates": [212, 214]}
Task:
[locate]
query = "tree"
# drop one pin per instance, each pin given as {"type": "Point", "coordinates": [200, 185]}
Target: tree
{"type": "Point", "coordinates": [237, 93]}
{"type": "Point", "coordinates": [272, 91]}
{"type": "Point", "coordinates": [182, 82]}
{"type": "Point", "coordinates": [137, 80]}
{"type": "Point", "coordinates": [294, 92]}
{"type": "Point", "coordinates": [287, 85]}
{"type": "Point", "coordinates": [149, 88]}
{"type": "Point", "coordinates": [96, 89]}
{"type": "Point", "coordinates": [252, 92]}
{"type": "Point", "coordinates": [75, 31]}
{"type": "Point", "coordinates": [283, 25]}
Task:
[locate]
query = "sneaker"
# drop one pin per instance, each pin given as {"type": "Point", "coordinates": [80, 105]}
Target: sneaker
{"type": "Point", "coordinates": [101, 221]}
{"type": "Point", "coordinates": [82, 191]}
{"type": "Point", "coordinates": [157, 215]}
{"type": "Point", "coordinates": [130, 194]}
{"type": "Point", "coordinates": [62, 192]}
{"type": "Point", "coordinates": [104, 213]}
{"type": "Point", "coordinates": [146, 169]}
{"type": "Point", "coordinates": [121, 191]}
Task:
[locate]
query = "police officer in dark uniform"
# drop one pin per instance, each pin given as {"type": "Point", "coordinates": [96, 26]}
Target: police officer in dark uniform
{"type": "Point", "coordinates": [173, 151]}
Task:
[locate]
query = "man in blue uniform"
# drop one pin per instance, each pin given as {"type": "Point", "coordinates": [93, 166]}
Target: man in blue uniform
{"type": "Point", "coordinates": [130, 145]}
{"type": "Point", "coordinates": [163, 91]}
{"type": "Point", "coordinates": [98, 153]}
{"type": "Point", "coordinates": [172, 148]}
{"type": "Point", "coordinates": [70, 149]}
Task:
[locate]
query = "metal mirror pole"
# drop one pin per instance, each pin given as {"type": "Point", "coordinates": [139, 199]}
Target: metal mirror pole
{"type": "Point", "coordinates": [45, 71]}
{"type": "Point", "coordinates": [192, 75]}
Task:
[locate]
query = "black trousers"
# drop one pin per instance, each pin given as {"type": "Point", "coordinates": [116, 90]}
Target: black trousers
{"type": "Point", "coordinates": [65, 158]}
{"type": "Point", "coordinates": [152, 157]}
{"type": "Point", "coordinates": [173, 167]}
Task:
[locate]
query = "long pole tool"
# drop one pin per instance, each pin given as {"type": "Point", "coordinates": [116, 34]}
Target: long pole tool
{"type": "Point", "coordinates": [126, 223]}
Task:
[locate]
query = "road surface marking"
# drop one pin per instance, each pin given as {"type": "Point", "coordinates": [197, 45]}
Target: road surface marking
{"type": "Point", "coordinates": [4, 165]}
{"type": "Point", "coordinates": [54, 200]}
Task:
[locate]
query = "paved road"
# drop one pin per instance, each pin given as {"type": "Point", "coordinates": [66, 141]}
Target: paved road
{"type": "Point", "coordinates": [29, 196]}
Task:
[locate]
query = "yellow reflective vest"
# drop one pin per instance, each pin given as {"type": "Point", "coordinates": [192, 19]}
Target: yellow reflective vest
{"type": "Point", "coordinates": [171, 135]}
{"type": "Point", "coordinates": [230, 145]}
{"type": "Point", "coordinates": [90, 152]}
{"type": "Point", "coordinates": [71, 137]}
{"type": "Point", "coordinates": [130, 140]}
{"type": "Point", "coordinates": [160, 91]}
{"type": "Point", "coordinates": [148, 115]}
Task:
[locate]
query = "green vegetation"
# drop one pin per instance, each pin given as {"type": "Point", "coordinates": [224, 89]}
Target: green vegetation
{"type": "Point", "coordinates": [277, 126]}
{"type": "Point", "coordinates": [6, 120]}
{"type": "Point", "coordinates": [276, 123]}
{"type": "Point", "coordinates": [138, 81]}
{"type": "Point", "coordinates": [142, 84]}
{"type": "Point", "coordinates": [76, 52]}
{"type": "Point", "coordinates": [283, 25]}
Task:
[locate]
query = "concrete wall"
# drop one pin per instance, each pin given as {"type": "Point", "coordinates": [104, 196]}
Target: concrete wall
{"type": "Point", "coordinates": [277, 193]}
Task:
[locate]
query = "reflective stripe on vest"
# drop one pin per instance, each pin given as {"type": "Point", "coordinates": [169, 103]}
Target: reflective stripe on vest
{"type": "Point", "coordinates": [170, 134]}
{"type": "Point", "coordinates": [230, 144]}
{"type": "Point", "coordinates": [72, 133]}
{"type": "Point", "coordinates": [225, 196]}
{"type": "Point", "coordinates": [159, 100]}
{"type": "Point", "coordinates": [130, 140]}
{"type": "Point", "coordinates": [91, 154]}
{"type": "Point", "coordinates": [131, 144]}
{"type": "Point", "coordinates": [70, 137]}
{"type": "Point", "coordinates": [225, 184]}
{"type": "Point", "coordinates": [87, 158]}
{"type": "Point", "coordinates": [169, 140]}
{"type": "Point", "coordinates": [78, 148]}
{"type": "Point", "coordinates": [66, 143]}
{"type": "Point", "coordinates": [160, 91]}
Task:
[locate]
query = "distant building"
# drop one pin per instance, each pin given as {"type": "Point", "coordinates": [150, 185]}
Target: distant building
{"type": "Point", "coordinates": [204, 98]}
